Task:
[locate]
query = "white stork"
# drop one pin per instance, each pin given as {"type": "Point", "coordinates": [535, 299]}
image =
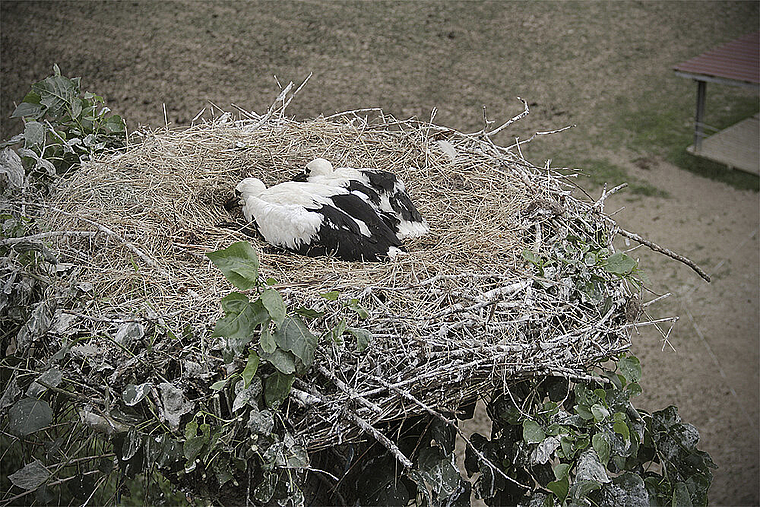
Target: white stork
{"type": "Point", "coordinates": [382, 189]}
{"type": "Point", "coordinates": [314, 219]}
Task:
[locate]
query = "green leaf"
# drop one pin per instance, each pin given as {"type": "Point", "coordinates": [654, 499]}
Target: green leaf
{"type": "Point", "coordinates": [276, 388]}
{"type": "Point", "coordinates": [354, 305]}
{"type": "Point", "coordinates": [133, 394]}
{"type": "Point", "coordinates": [34, 135]}
{"type": "Point", "coordinates": [283, 360]}
{"type": "Point", "coordinates": [29, 110]}
{"type": "Point", "coordinates": [194, 445]}
{"type": "Point", "coordinates": [250, 368]}
{"type": "Point", "coordinates": [56, 93]}
{"type": "Point", "coordinates": [363, 337]}
{"type": "Point", "coordinates": [622, 428]}
{"type": "Point", "coordinates": [630, 368]}
{"type": "Point", "coordinates": [620, 264]}
{"type": "Point", "coordinates": [584, 412]}
{"type": "Point", "coordinates": [331, 296]}
{"type": "Point", "coordinates": [599, 412]}
{"type": "Point", "coordinates": [530, 257]}
{"type": "Point", "coordinates": [293, 335]}
{"type": "Point", "coordinates": [29, 415]}
{"type": "Point", "coordinates": [532, 432]}
{"type": "Point", "coordinates": [266, 341]}
{"type": "Point", "coordinates": [308, 313]}
{"type": "Point", "coordinates": [681, 497]}
{"type": "Point", "coordinates": [334, 335]}
{"type": "Point", "coordinates": [562, 470]}
{"type": "Point", "coordinates": [76, 108]}
{"type": "Point", "coordinates": [438, 471]}
{"type": "Point", "coordinates": [240, 321]}
{"type": "Point", "coordinates": [239, 264]}
{"type": "Point", "coordinates": [602, 447]}
{"type": "Point", "coordinates": [218, 385]}
{"type": "Point", "coordinates": [560, 488]}
{"type": "Point", "coordinates": [114, 124]}
{"type": "Point", "coordinates": [274, 304]}
{"type": "Point", "coordinates": [191, 428]}
{"type": "Point", "coordinates": [590, 468]}
{"type": "Point", "coordinates": [633, 389]}
{"type": "Point", "coordinates": [32, 476]}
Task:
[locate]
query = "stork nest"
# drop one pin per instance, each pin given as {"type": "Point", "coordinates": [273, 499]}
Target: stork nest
{"type": "Point", "coordinates": [510, 282]}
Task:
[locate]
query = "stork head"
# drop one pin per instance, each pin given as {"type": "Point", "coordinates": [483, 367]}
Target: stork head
{"type": "Point", "coordinates": [249, 187]}
{"type": "Point", "coordinates": [319, 167]}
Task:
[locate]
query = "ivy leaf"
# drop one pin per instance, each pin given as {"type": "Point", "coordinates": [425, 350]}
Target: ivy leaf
{"type": "Point", "coordinates": [34, 134]}
{"type": "Point", "coordinates": [56, 92]}
{"type": "Point", "coordinates": [32, 476]}
{"type": "Point", "coordinates": [293, 335]}
{"type": "Point", "coordinates": [560, 488]}
{"type": "Point", "coordinates": [308, 313]}
{"type": "Point", "coordinates": [272, 301]}
{"type": "Point", "coordinates": [51, 378]}
{"type": "Point", "coordinates": [283, 360]}
{"type": "Point", "coordinates": [250, 368]}
{"type": "Point", "coordinates": [266, 341]}
{"type": "Point", "coordinates": [246, 395]}
{"type": "Point", "coordinates": [620, 264]}
{"type": "Point", "coordinates": [354, 305]}
{"type": "Point", "coordinates": [681, 497]}
{"type": "Point", "coordinates": [218, 385]}
{"type": "Point", "coordinates": [331, 295]}
{"type": "Point", "coordinates": [622, 428]}
{"type": "Point", "coordinates": [114, 124]}
{"type": "Point", "coordinates": [438, 471]}
{"type": "Point", "coordinates": [133, 394]}
{"type": "Point", "coordinates": [241, 320]}
{"type": "Point", "coordinates": [627, 489]}
{"type": "Point", "coordinates": [532, 432]}
{"type": "Point", "coordinates": [29, 415]}
{"type": "Point", "coordinates": [261, 422]}
{"type": "Point", "coordinates": [363, 337]}
{"type": "Point", "coordinates": [337, 331]}
{"type": "Point", "coordinates": [599, 412]}
{"type": "Point", "coordinates": [239, 264]}
{"type": "Point", "coordinates": [630, 368]}
{"type": "Point", "coordinates": [276, 388]}
{"type": "Point", "coordinates": [562, 470]}
{"type": "Point", "coordinates": [590, 468]}
{"type": "Point", "coordinates": [194, 445]}
{"type": "Point", "coordinates": [634, 389]}
{"type": "Point", "coordinates": [602, 447]}
{"type": "Point", "coordinates": [12, 168]}
{"type": "Point", "coordinates": [28, 109]}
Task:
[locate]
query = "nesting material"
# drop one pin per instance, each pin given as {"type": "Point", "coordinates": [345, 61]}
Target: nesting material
{"type": "Point", "coordinates": [456, 316]}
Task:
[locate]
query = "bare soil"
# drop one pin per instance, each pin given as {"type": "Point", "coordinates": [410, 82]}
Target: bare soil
{"type": "Point", "coordinates": [576, 63]}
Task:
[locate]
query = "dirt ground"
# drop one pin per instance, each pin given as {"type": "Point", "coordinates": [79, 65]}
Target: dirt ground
{"type": "Point", "coordinates": [576, 63]}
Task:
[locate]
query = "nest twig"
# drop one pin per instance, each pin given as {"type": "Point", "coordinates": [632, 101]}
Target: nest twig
{"type": "Point", "coordinates": [461, 313]}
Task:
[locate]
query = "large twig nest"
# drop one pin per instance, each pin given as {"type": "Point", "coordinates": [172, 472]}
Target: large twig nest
{"type": "Point", "coordinates": [459, 314]}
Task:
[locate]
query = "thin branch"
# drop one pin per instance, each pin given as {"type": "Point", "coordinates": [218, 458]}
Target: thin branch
{"type": "Point", "coordinates": [665, 251]}
{"type": "Point", "coordinates": [450, 423]}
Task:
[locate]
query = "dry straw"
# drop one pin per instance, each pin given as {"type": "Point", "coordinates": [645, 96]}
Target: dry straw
{"type": "Point", "coordinates": [460, 314]}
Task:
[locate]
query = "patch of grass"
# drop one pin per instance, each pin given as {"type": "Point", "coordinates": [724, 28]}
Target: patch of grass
{"type": "Point", "coordinates": [596, 172]}
{"type": "Point", "coordinates": [667, 130]}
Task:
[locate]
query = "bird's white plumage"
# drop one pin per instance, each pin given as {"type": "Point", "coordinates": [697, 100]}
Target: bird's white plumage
{"type": "Point", "coordinates": [304, 217]}
{"type": "Point", "coordinates": [390, 195]}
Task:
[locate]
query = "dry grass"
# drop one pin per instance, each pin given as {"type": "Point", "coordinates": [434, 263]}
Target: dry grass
{"type": "Point", "coordinates": [456, 316]}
